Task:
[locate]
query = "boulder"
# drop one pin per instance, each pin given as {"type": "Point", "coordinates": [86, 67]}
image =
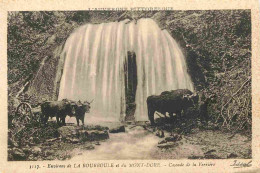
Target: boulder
{"type": "Point", "coordinates": [66, 131]}
{"type": "Point", "coordinates": [117, 129]}
{"type": "Point", "coordinates": [75, 134]}
{"type": "Point", "coordinates": [95, 135]}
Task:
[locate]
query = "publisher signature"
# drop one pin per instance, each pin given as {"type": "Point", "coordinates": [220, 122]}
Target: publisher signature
{"type": "Point", "coordinates": [239, 164]}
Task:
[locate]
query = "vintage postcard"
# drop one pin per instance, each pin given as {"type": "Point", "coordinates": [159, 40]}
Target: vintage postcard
{"type": "Point", "coordinates": [130, 86]}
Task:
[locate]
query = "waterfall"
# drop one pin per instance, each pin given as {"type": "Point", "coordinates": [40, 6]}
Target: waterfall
{"type": "Point", "coordinates": [95, 55]}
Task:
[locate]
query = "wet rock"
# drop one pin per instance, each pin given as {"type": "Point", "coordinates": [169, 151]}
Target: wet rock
{"type": "Point", "coordinates": [18, 154]}
{"type": "Point", "coordinates": [95, 135]}
{"type": "Point", "coordinates": [117, 129]}
{"type": "Point", "coordinates": [167, 145]}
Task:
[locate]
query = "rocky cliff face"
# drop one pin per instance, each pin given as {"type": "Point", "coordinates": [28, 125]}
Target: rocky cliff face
{"type": "Point", "coordinates": [45, 84]}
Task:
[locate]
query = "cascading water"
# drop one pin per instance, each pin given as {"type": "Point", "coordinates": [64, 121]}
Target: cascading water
{"type": "Point", "coordinates": [95, 55]}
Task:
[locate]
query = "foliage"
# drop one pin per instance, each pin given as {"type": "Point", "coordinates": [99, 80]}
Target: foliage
{"type": "Point", "coordinates": [218, 47]}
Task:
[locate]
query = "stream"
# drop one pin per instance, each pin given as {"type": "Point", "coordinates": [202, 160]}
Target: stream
{"type": "Point", "coordinates": [135, 143]}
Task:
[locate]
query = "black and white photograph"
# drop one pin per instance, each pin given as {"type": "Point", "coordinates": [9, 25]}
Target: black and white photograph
{"type": "Point", "coordinates": [120, 84]}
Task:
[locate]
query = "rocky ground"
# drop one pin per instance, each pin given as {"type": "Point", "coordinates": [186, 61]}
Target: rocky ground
{"type": "Point", "coordinates": [206, 144]}
{"type": "Point", "coordinates": [57, 147]}
{"type": "Point", "coordinates": [136, 141]}
{"type": "Point", "coordinates": [194, 139]}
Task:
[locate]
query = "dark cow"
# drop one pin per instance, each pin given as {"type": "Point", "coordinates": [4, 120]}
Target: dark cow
{"type": "Point", "coordinates": [81, 109]}
{"type": "Point", "coordinates": [174, 101]}
{"type": "Point", "coordinates": [58, 109]}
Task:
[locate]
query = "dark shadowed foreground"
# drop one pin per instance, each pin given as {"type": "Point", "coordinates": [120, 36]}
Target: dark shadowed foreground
{"type": "Point", "coordinates": [118, 141]}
